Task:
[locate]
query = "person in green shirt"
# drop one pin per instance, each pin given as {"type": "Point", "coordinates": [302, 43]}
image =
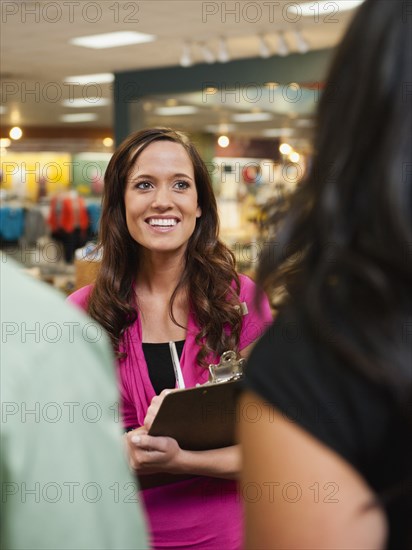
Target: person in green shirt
{"type": "Point", "coordinates": [64, 476]}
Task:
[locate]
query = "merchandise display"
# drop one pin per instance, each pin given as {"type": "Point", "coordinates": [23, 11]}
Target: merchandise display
{"type": "Point", "coordinates": [66, 219]}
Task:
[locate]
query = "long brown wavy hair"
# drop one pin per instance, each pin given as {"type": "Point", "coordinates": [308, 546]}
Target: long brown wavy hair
{"type": "Point", "coordinates": [208, 277]}
{"type": "Point", "coordinates": [343, 249]}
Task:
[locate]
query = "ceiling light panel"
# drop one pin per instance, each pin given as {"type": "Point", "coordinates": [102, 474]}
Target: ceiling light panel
{"type": "Point", "coordinates": [251, 117]}
{"type": "Point", "coordinates": [84, 79]}
{"type": "Point", "coordinates": [79, 117]}
{"type": "Point", "coordinates": [219, 128]}
{"type": "Point", "coordinates": [277, 132]}
{"type": "Point", "coordinates": [112, 39]}
{"type": "Point", "coordinates": [178, 110]}
{"type": "Point", "coordinates": [81, 103]}
{"type": "Point", "coordinates": [323, 7]}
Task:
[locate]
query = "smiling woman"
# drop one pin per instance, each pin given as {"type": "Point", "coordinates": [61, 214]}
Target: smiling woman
{"type": "Point", "coordinates": [165, 276]}
{"type": "Point", "coordinates": [161, 199]}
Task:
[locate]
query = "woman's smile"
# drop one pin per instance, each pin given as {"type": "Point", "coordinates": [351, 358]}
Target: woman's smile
{"type": "Point", "coordinates": [161, 199]}
{"type": "Point", "coordinates": [162, 224]}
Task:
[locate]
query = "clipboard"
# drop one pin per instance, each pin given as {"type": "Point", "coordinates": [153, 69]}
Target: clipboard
{"type": "Point", "coordinates": [200, 418]}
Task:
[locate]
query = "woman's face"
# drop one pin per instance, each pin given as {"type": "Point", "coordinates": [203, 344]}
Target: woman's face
{"type": "Point", "coordinates": [161, 198]}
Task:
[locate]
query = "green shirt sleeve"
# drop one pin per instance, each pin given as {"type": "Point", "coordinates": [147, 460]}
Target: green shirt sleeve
{"type": "Point", "coordinates": [65, 480]}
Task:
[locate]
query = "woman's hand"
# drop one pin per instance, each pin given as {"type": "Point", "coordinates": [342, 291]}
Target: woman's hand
{"type": "Point", "coordinates": [149, 455]}
{"type": "Point", "coordinates": [153, 408]}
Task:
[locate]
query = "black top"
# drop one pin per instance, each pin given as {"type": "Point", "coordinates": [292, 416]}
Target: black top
{"type": "Point", "coordinates": [160, 366]}
{"type": "Point", "coordinates": [291, 369]}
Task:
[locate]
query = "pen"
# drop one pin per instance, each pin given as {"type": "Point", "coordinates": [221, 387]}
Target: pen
{"type": "Point", "coordinates": [176, 366]}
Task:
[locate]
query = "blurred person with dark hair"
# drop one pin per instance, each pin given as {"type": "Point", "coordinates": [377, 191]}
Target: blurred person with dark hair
{"type": "Point", "coordinates": [65, 482]}
{"type": "Point", "coordinates": [166, 277]}
{"type": "Point", "coordinates": [331, 452]}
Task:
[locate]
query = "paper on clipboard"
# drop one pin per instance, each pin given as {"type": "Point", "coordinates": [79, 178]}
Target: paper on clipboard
{"type": "Point", "coordinates": [199, 418]}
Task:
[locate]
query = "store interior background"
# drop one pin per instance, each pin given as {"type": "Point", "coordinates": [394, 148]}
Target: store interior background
{"type": "Point", "coordinates": [242, 79]}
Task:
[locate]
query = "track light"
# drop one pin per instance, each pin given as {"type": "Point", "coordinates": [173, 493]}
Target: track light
{"type": "Point", "coordinates": [301, 43]}
{"type": "Point", "coordinates": [207, 53]}
{"type": "Point", "coordinates": [186, 57]}
{"type": "Point", "coordinates": [223, 54]}
{"type": "Point", "coordinates": [264, 49]}
{"type": "Point", "coordinates": [282, 46]}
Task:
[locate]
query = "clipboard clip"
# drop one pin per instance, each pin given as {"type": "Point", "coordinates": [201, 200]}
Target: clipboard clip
{"type": "Point", "coordinates": [230, 367]}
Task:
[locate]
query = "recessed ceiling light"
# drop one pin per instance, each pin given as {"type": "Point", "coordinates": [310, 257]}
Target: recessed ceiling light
{"type": "Point", "coordinates": [223, 141]}
{"type": "Point", "coordinates": [285, 148]}
{"type": "Point", "coordinates": [178, 110]}
{"type": "Point", "coordinates": [108, 141]}
{"type": "Point", "coordinates": [82, 102]}
{"type": "Point", "coordinates": [112, 39]}
{"type": "Point", "coordinates": [323, 7]}
{"type": "Point", "coordinates": [251, 117]}
{"type": "Point", "coordinates": [98, 78]}
{"type": "Point", "coordinates": [16, 132]}
{"type": "Point", "coordinates": [79, 117]}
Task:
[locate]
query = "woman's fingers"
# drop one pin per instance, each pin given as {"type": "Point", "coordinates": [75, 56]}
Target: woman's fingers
{"type": "Point", "coordinates": [153, 453]}
{"type": "Point", "coordinates": [154, 407]}
{"type": "Point", "coordinates": [150, 443]}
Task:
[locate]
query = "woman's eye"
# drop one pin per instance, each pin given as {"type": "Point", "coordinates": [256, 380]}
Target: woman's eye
{"type": "Point", "coordinates": [182, 185]}
{"type": "Point", "coordinates": [143, 185]}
